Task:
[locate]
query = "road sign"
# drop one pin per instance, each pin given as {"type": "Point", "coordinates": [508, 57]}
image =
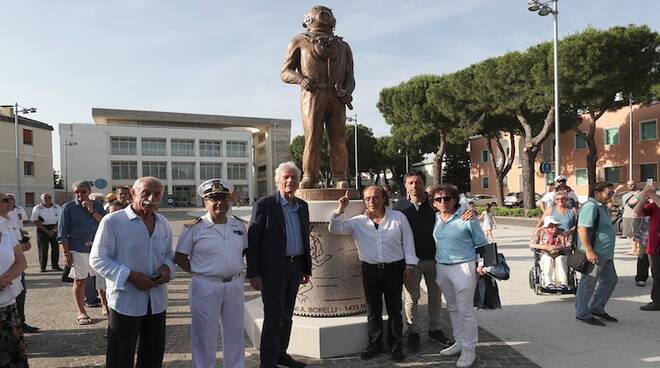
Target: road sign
{"type": "Point", "coordinates": [546, 167]}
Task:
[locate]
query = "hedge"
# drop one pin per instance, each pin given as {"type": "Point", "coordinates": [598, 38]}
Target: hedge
{"type": "Point", "coordinates": [512, 212]}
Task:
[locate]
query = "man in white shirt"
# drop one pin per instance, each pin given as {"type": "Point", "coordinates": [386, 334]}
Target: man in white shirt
{"type": "Point", "coordinates": [133, 251]}
{"type": "Point", "coordinates": [548, 199]}
{"type": "Point", "coordinates": [46, 215]}
{"type": "Point", "coordinates": [386, 247]}
{"type": "Point", "coordinates": [17, 212]}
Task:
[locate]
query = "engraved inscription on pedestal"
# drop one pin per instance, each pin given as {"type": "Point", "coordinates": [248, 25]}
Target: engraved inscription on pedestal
{"type": "Point", "coordinates": [335, 288]}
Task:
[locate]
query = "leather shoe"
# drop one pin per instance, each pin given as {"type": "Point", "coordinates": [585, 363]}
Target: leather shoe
{"type": "Point", "coordinates": [29, 329]}
{"type": "Point", "coordinates": [92, 304]}
{"type": "Point", "coordinates": [605, 316]}
{"type": "Point", "coordinates": [413, 341]}
{"type": "Point", "coordinates": [287, 361]}
{"type": "Point", "coordinates": [371, 352]}
{"type": "Point", "coordinates": [58, 269]}
{"type": "Point", "coordinates": [650, 307]}
{"type": "Point", "coordinates": [397, 354]}
{"type": "Point", "coordinates": [440, 337]}
{"type": "Point", "coordinates": [592, 321]}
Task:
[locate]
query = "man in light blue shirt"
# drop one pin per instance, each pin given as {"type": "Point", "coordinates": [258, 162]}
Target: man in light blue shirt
{"type": "Point", "coordinates": [294, 246]}
{"type": "Point", "coordinates": [133, 251]}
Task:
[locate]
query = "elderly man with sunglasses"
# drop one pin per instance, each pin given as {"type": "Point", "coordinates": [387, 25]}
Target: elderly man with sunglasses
{"type": "Point", "coordinates": [548, 199]}
{"type": "Point", "coordinates": [596, 237]}
{"type": "Point", "coordinates": [211, 248]}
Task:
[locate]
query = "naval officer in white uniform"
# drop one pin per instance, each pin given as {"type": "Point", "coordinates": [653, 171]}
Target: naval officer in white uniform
{"type": "Point", "coordinates": [211, 248]}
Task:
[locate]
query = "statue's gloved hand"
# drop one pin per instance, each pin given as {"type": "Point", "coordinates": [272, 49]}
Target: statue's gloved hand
{"type": "Point", "coordinates": [306, 84]}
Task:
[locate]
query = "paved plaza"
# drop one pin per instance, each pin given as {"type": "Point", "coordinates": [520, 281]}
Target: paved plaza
{"type": "Point", "coordinates": [529, 331]}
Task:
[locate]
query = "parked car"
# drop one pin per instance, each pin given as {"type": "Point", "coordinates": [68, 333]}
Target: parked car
{"type": "Point", "coordinates": [482, 199]}
{"type": "Point", "coordinates": [515, 199]}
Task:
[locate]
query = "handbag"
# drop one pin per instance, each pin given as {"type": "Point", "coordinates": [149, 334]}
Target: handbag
{"type": "Point", "coordinates": [578, 259]}
{"type": "Point", "coordinates": [499, 270]}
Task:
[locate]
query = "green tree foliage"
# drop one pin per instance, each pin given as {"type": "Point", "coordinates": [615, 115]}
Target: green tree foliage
{"type": "Point", "coordinates": [597, 64]}
{"type": "Point", "coordinates": [416, 123]}
{"type": "Point", "coordinates": [457, 167]}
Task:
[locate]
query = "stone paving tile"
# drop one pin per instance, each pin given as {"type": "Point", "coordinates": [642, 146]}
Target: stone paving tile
{"type": "Point", "coordinates": [62, 343]}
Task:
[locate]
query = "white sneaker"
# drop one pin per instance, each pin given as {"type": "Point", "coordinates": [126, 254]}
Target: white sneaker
{"type": "Point", "coordinates": [467, 358]}
{"type": "Point", "coordinates": [452, 350]}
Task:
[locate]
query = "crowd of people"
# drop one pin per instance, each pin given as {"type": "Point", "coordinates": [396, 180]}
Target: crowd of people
{"type": "Point", "coordinates": [121, 255]}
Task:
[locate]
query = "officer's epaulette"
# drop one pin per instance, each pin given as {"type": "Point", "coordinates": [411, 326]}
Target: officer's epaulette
{"type": "Point", "coordinates": [239, 219]}
{"type": "Point", "coordinates": [192, 222]}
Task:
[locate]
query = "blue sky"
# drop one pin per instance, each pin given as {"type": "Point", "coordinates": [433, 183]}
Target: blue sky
{"type": "Point", "coordinates": [223, 57]}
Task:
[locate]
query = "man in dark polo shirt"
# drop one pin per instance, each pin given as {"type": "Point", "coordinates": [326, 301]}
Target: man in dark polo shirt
{"type": "Point", "coordinates": [421, 216]}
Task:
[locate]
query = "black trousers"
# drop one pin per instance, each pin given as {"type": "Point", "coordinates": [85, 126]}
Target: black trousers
{"type": "Point", "coordinates": [43, 242]}
{"type": "Point", "coordinates": [20, 299]}
{"type": "Point", "coordinates": [642, 268]}
{"type": "Point", "coordinates": [123, 333]}
{"type": "Point", "coordinates": [654, 260]}
{"type": "Point", "coordinates": [279, 298]}
{"type": "Point", "coordinates": [378, 281]}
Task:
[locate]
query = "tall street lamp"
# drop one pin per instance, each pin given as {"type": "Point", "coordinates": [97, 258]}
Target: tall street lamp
{"type": "Point", "coordinates": [19, 110]}
{"type": "Point", "coordinates": [618, 98]}
{"type": "Point", "coordinates": [66, 166]}
{"type": "Point", "coordinates": [543, 9]}
{"type": "Point", "coordinates": [354, 119]}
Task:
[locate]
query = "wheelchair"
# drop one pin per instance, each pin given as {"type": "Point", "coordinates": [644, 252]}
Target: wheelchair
{"type": "Point", "coordinates": [535, 275]}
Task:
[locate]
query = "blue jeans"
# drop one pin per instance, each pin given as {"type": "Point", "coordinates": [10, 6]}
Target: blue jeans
{"type": "Point", "coordinates": [595, 288]}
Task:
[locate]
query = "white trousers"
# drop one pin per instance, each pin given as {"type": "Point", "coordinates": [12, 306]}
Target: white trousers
{"type": "Point", "coordinates": [458, 282]}
{"type": "Point", "coordinates": [216, 305]}
{"type": "Point", "coordinates": [554, 270]}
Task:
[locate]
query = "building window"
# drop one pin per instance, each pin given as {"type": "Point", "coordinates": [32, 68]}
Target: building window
{"type": "Point", "coordinates": [581, 177]}
{"type": "Point", "coordinates": [28, 168]}
{"type": "Point", "coordinates": [154, 147]}
{"type": "Point", "coordinates": [29, 198]}
{"type": "Point", "coordinates": [237, 171]}
{"type": "Point", "coordinates": [648, 171]}
{"type": "Point", "coordinates": [484, 156]}
{"type": "Point", "coordinates": [613, 174]}
{"type": "Point", "coordinates": [124, 170]}
{"type": "Point", "coordinates": [648, 130]}
{"type": "Point", "coordinates": [261, 172]}
{"type": "Point", "coordinates": [210, 148]}
{"type": "Point", "coordinates": [183, 147]}
{"type": "Point", "coordinates": [183, 171]}
{"type": "Point", "coordinates": [123, 146]}
{"type": "Point", "coordinates": [580, 142]}
{"type": "Point", "coordinates": [27, 137]}
{"type": "Point", "coordinates": [236, 149]}
{"type": "Point", "coordinates": [210, 170]}
{"type": "Point", "coordinates": [611, 136]}
{"type": "Point", "coordinates": [484, 182]}
{"type": "Point", "coordinates": [156, 169]}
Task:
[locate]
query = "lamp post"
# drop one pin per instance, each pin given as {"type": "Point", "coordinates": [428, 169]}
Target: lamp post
{"type": "Point", "coordinates": [66, 166]}
{"type": "Point", "coordinates": [619, 97]}
{"type": "Point", "coordinates": [22, 110]}
{"type": "Point", "coordinates": [543, 9]}
{"type": "Point", "coordinates": [354, 119]}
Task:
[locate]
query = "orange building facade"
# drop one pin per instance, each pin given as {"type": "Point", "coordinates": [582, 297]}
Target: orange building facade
{"type": "Point", "coordinates": [612, 139]}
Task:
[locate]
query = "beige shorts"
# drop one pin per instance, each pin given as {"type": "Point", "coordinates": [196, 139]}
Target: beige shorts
{"type": "Point", "coordinates": [80, 269]}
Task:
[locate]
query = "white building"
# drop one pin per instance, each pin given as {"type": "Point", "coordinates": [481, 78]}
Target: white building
{"type": "Point", "coordinates": [180, 149]}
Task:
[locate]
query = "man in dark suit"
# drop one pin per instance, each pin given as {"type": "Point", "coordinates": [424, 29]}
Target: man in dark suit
{"type": "Point", "coordinates": [278, 261]}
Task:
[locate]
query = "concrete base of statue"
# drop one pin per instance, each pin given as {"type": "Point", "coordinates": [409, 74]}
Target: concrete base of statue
{"type": "Point", "coordinates": [315, 337]}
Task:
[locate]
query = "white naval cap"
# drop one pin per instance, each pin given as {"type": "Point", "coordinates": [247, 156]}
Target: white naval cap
{"type": "Point", "coordinates": [214, 186]}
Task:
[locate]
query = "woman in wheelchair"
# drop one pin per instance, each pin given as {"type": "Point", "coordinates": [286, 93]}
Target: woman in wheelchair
{"type": "Point", "coordinates": [553, 245]}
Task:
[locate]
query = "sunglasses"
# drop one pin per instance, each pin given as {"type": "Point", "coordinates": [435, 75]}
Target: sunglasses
{"type": "Point", "coordinates": [217, 198]}
{"type": "Point", "coordinates": [4, 200]}
{"type": "Point", "coordinates": [443, 199]}
{"type": "Point", "coordinates": [610, 193]}
{"type": "Point", "coordinates": [561, 181]}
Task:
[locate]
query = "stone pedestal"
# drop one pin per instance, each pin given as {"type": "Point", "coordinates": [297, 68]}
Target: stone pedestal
{"type": "Point", "coordinates": [335, 288]}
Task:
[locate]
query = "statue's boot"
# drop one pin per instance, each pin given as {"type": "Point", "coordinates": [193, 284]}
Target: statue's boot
{"type": "Point", "coordinates": [341, 182]}
{"type": "Point", "coordinates": [307, 182]}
